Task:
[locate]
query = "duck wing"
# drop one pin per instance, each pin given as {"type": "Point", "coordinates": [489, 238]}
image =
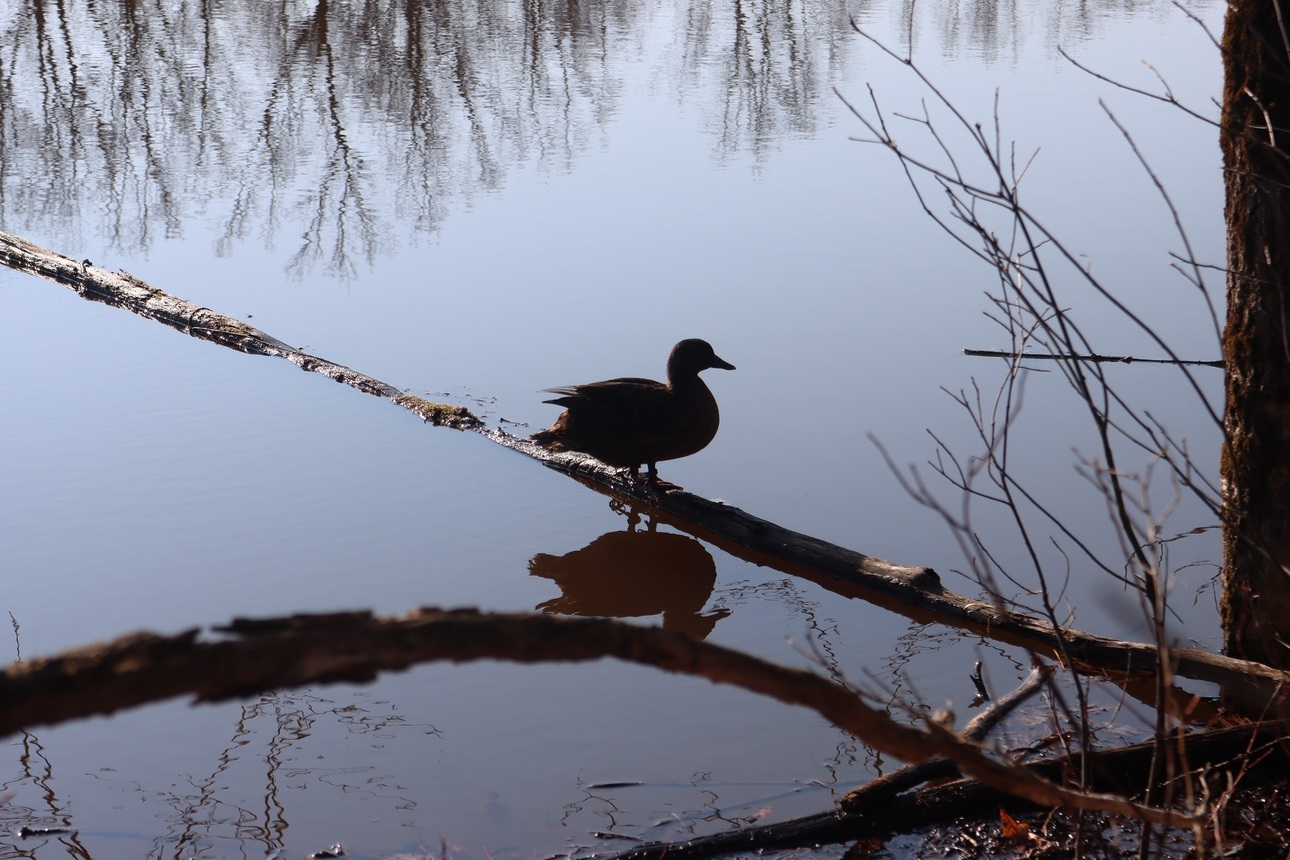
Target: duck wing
{"type": "Point", "coordinates": [615, 391]}
{"type": "Point", "coordinates": [620, 421]}
{"type": "Point", "coordinates": [630, 404]}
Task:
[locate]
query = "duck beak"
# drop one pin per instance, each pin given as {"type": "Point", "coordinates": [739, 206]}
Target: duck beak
{"type": "Point", "coordinates": [724, 365]}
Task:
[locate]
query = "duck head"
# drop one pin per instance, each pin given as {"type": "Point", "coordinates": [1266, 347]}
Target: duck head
{"type": "Point", "coordinates": [691, 356]}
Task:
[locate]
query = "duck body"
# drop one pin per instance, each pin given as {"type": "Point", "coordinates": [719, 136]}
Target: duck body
{"type": "Point", "coordinates": [631, 421]}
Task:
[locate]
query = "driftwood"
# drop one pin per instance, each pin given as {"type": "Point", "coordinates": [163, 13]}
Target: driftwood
{"type": "Point", "coordinates": [915, 592]}
{"type": "Point", "coordinates": [882, 789]}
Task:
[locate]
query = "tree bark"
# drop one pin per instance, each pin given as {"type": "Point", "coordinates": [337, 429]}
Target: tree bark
{"type": "Point", "coordinates": [1256, 458]}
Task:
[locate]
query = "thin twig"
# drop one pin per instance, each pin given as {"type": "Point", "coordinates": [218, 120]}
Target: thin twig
{"type": "Point", "coordinates": [1054, 356]}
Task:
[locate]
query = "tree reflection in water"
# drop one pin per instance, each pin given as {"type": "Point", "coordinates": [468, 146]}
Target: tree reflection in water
{"type": "Point", "coordinates": [350, 125]}
{"type": "Point", "coordinates": [348, 128]}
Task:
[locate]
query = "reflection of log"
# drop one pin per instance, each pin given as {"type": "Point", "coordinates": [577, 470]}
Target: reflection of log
{"type": "Point", "coordinates": [354, 646]}
{"type": "Point", "coordinates": [913, 591]}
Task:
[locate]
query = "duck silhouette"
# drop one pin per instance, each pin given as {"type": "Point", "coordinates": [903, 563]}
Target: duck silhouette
{"type": "Point", "coordinates": [628, 422]}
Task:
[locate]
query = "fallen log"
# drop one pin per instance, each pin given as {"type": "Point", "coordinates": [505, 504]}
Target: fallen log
{"type": "Point", "coordinates": [913, 591]}
{"type": "Point", "coordinates": [123, 290]}
{"type": "Point", "coordinates": [917, 593]}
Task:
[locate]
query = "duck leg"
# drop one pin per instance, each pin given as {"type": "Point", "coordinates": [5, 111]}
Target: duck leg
{"type": "Point", "coordinates": [653, 481]}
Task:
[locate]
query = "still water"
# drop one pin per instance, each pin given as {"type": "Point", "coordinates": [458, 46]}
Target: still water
{"type": "Point", "coordinates": [477, 202]}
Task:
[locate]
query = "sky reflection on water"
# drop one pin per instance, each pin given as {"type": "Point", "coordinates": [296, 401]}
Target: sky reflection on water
{"type": "Point", "coordinates": [488, 201]}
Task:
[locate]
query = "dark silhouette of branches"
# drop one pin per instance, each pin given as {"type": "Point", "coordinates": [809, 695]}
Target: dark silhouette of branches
{"type": "Point", "coordinates": [969, 182]}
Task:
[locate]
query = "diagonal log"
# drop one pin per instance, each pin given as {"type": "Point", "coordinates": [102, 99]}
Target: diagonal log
{"type": "Point", "coordinates": [913, 591]}
{"type": "Point", "coordinates": [123, 290]}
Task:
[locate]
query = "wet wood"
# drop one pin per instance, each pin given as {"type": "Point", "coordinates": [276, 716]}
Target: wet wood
{"type": "Point", "coordinates": [914, 591]}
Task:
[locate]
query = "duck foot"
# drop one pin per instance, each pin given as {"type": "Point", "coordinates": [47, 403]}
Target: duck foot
{"type": "Point", "coordinates": [652, 481]}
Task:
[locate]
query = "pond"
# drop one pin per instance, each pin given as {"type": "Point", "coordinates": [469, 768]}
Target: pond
{"type": "Point", "coordinates": [476, 202]}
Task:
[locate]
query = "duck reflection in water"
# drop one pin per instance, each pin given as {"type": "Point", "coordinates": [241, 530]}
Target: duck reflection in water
{"type": "Point", "coordinates": [631, 574]}
{"type": "Point", "coordinates": [630, 421]}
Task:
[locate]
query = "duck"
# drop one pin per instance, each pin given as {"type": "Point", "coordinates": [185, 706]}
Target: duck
{"type": "Point", "coordinates": [629, 422]}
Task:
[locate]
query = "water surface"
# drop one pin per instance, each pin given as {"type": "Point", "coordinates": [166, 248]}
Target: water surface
{"type": "Point", "coordinates": [477, 202]}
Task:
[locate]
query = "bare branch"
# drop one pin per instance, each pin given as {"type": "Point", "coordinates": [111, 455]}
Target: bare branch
{"type": "Point", "coordinates": [1168, 97]}
{"type": "Point", "coordinates": [1121, 359]}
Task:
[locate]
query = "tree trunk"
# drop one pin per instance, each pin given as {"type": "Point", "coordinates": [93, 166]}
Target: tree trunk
{"type": "Point", "coordinates": [1255, 141]}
